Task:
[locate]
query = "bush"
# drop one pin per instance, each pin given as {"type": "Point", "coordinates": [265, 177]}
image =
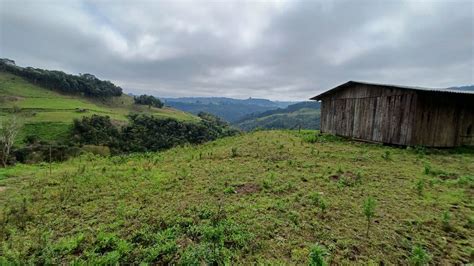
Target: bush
{"type": "Point", "coordinates": [148, 100]}
{"type": "Point", "coordinates": [95, 130]}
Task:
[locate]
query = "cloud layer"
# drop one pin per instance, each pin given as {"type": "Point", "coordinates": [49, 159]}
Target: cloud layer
{"type": "Point", "coordinates": [270, 49]}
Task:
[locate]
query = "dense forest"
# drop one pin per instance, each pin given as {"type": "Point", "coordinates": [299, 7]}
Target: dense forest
{"type": "Point", "coordinates": [83, 84]}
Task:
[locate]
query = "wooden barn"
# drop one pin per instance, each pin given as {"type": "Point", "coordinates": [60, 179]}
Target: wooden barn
{"type": "Point", "coordinates": [398, 115]}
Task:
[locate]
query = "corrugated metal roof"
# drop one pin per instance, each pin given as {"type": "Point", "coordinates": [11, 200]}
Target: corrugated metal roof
{"type": "Point", "coordinates": [352, 82]}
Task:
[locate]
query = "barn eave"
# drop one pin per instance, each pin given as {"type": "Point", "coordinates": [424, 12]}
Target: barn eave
{"type": "Point", "coordinates": [412, 88]}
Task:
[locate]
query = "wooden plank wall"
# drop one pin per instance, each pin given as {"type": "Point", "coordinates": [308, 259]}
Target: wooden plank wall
{"type": "Point", "coordinates": [398, 116]}
{"type": "Point", "coordinates": [370, 113]}
{"type": "Point", "coordinates": [444, 121]}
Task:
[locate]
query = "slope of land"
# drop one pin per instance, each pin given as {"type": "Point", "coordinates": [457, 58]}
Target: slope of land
{"type": "Point", "coordinates": [48, 114]}
{"type": "Point", "coordinates": [228, 109]}
{"type": "Point", "coordinates": [305, 115]}
{"type": "Point", "coordinates": [263, 197]}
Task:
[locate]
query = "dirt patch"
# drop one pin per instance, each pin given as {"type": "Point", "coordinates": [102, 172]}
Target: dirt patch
{"type": "Point", "coordinates": [2, 189]}
{"type": "Point", "coordinates": [448, 177]}
{"type": "Point", "coordinates": [347, 178]}
{"type": "Point", "coordinates": [247, 188]}
{"type": "Point", "coordinates": [346, 175]}
{"type": "Point", "coordinates": [10, 98]}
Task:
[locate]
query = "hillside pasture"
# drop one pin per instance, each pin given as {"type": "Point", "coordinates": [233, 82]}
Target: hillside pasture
{"type": "Point", "coordinates": [38, 107]}
{"type": "Point", "coordinates": [265, 197]}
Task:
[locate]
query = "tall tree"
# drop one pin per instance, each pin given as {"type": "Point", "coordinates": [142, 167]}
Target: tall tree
{"type": "Point", "coordinates": [9, 129]}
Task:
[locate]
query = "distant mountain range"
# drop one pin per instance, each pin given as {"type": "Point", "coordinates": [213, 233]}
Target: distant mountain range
{"type": "Point", "coordinates": [228, 109]}
{"type": "Point", "coordinates": [304, 115]}
{"type": "Point", "coordinates": [463, 88]}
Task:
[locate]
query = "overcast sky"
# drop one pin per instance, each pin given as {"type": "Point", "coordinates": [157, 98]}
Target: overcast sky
{"type": "Point", "coordinates": [284, 50]}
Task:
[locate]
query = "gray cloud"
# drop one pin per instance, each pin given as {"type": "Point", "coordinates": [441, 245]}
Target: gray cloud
{"type": "Point", "coordinates": [277, 50]}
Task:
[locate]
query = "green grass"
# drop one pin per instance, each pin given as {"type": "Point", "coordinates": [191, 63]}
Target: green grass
{"type": "Point", "coordinates": [44, 107]}
{"type": "Point", "coordinates": [254, 198]}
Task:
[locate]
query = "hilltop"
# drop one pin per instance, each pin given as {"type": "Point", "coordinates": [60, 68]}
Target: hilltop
{"type": "Point", "coordinates": [264, 197]}
{"type": "Point", "coordinates": [48, 114]}
{"type": "Point", "coordinates": [304, 115]}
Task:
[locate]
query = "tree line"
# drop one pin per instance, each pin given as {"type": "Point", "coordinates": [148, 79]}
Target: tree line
{"type": "Point", "coordinates": [83, 84]}
{"type": "Point", "coordinates": [146, 133]}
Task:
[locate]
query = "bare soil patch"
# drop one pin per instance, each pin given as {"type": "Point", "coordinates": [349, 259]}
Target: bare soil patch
{"type": "Point", "coordinates": [247, 188]}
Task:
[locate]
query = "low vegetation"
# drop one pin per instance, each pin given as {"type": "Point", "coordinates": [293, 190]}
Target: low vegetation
{"type": "Point", "coordinates": [267, 197]}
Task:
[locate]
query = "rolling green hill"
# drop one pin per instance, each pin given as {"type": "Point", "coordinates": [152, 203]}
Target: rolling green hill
{"type": "Point", "coordinates": [48, 113]}
{"type": "Point", "coordinates": [304, 115]}
{"type": "Point", "coordinates": [267, 197]}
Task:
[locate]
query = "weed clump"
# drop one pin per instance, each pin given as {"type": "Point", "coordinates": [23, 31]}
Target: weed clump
{"type": "Point", "coordinates": [369, 211]}
{"type": "Point", "coordinates": [387, 156]}
{"type": "Point", "coordinates": [317, 256]}
{"type": "Point", "coordinates": [446, 221]}
{"type": "Point", "coordinates": [420, 185]}
{"type": "Point", "coordinates": [233, 152]}
{"type": "Point", "coordinates": [317, 200]}
{"type": "Point", "coordinates": [419, 256]}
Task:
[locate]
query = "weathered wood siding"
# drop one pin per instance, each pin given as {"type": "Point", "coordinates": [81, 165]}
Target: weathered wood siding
{"type": "Point", "coordinates": [445, 120]}
{"type": "Point", "coordinates": [399, 116]}
{"type": "Point", "coordinates": [370, 113]}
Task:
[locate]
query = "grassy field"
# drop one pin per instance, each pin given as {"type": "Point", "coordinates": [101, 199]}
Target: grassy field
{"type": "Point", "coordinates": [269, 197]}
{"type": "Point", "coordinates": [40, 108]}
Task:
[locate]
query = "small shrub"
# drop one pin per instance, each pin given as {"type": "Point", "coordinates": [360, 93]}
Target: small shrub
{"type": "Point", "coordinates": [470, 223]}
{"type": "Point", "coordinates": [233, 152]}
{"type": "Point", "coordinates": [427, 169]}
{"type": "Point", "coordinates": [322, 205]}
{"type": "Point", "coordinates": [420, 185]}
{"type": "Point", "coordinates": [419, 256]}
{"type": "Point", "coordinates": [310, 138]}
{"type": "Point", "coordinates": [466, 181]}
{"type": "Point", "coordinates": [369, 211]}
{"type": "Point", "coordinates": [315, 198]}
{"type": "Point", "coordinates": [317, 256]}
{"type": "Point", "coordinates": [420, 150]}
{"type": "Point", "coordinates": [318, 201]}
{"type": "Point", "coordinates": [266, 183]}
{"type": "Point", "coordinates": [387, 156]}
{"type": "Point", "coordinates": [446, 221]}
{"type": "Point", "coordinates": [229, 190]}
